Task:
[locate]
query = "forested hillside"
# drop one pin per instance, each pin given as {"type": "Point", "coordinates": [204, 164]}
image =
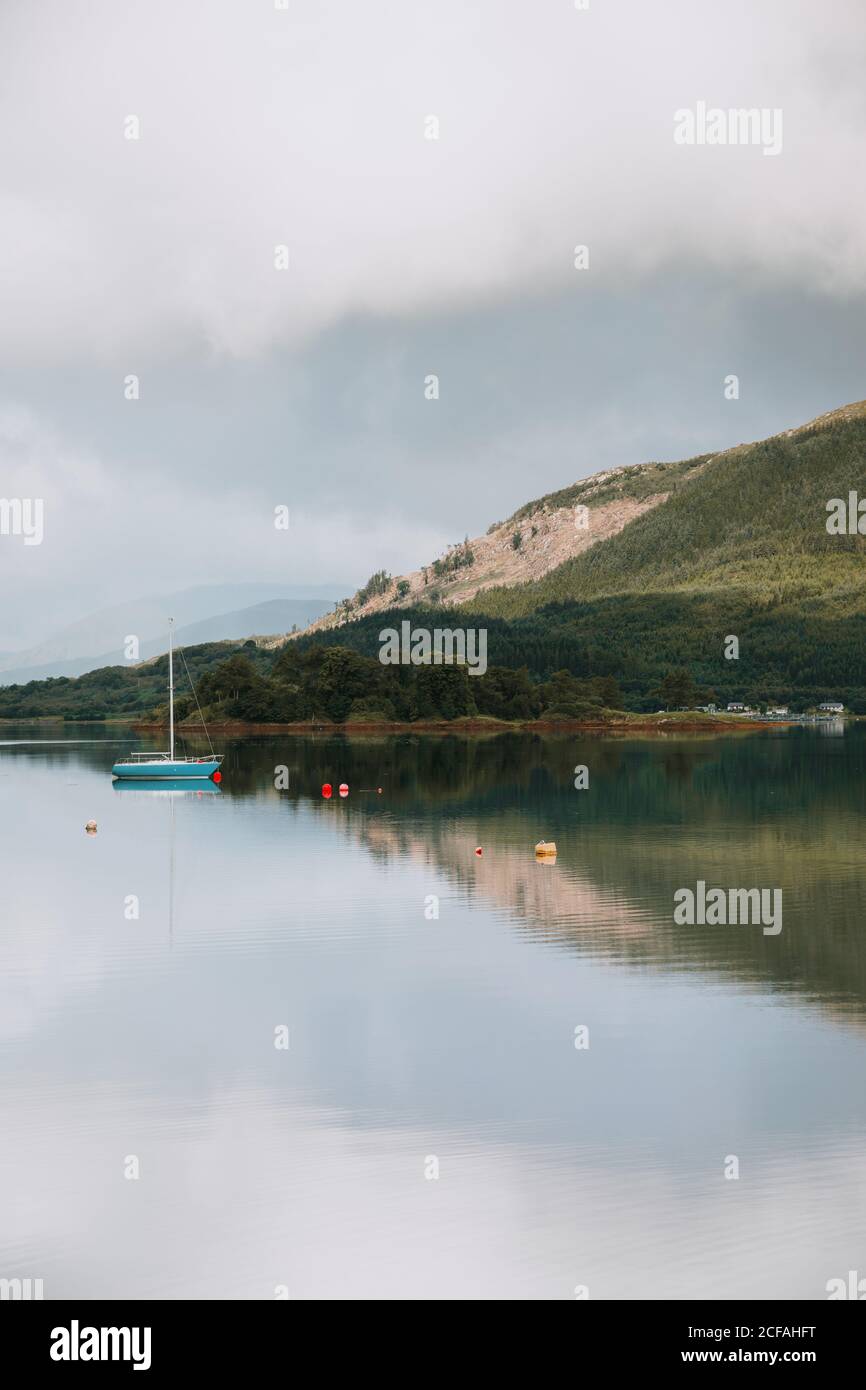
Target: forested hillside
{"type": "Point", "coordinates": [738, 548]}
{"type": "Point", "coordinates": [750, 523]}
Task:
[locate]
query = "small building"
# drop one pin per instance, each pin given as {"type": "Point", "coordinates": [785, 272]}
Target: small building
{"type": "Point", "coordinates": [778, 710]}
{"type": "Point", "coordinates": [736, 708]}
{"type": "Point", "coordinates": [832, 707]}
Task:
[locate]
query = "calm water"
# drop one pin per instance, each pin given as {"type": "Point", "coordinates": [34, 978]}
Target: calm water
{"type": "Point", "coordinates": [413, 1036]}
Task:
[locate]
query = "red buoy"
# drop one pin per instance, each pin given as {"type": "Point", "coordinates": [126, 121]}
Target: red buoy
{"type": "Point", "coordinates": [344, 789]}
{"type": "Point", "coordinates": [218, 777]}
{"type": "Point", "coordinates": [326, 790]}
{"type": "Point", "coordinates": [479, 851]}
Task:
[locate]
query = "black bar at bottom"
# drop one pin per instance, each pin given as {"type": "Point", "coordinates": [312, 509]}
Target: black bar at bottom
{"type": "Point", "coordinates": [219, 1338]}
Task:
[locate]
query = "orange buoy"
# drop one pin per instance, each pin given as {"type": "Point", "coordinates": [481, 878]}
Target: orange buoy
{"type": "Point", "coordinates": [326, 790]}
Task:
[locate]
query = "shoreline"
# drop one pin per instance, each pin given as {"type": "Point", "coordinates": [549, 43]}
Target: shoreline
{"type": "Point", "coordinates": [638, 724]}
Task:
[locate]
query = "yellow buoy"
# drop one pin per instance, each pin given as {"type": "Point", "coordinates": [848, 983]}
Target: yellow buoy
{"type": "Point", "coordinates": [90, 827]}
{"type": "Point", "coordinates": [545, 848]}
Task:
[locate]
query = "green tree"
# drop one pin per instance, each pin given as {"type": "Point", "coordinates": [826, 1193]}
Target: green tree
{"type": "Point", "coordinates": [505, 694]}
{"type": "Point", "coordinates": [378, 583]}
{"type": "Point", "coordinates": [609, 692]}
{"type": "Point", "coordinates": [343, 677]}
{"type": "Point", "coordinates": [443, 692]}
{"type": "Point", "coordinates": [677, 689]}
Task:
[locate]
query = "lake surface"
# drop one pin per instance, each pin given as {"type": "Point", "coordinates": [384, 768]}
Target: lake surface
{"type": "Point", "coordinates": [416, 1039]}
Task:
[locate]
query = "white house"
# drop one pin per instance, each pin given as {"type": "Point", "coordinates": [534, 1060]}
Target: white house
{"type": "Point", "coordinates": [831, 707]}
{"type": "Point", "coordinates": [736, 708]}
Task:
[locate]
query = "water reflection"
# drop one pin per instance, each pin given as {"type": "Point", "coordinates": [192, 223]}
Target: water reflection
{"type": "Point", "coordinates": [166, 786]}
{"type": "Point", "coordinates": [448, 1032]}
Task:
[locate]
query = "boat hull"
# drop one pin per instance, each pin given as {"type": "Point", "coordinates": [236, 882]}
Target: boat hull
{"type": "Point", "coordinates": [166, 771]}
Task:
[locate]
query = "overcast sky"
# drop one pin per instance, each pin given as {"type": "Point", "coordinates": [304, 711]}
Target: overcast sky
{"type": "Point", "coordinates": [305, 127]}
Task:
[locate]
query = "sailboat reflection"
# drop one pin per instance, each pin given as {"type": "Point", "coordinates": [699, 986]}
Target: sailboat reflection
{"type": "Point", "coordinates": [168, 786]}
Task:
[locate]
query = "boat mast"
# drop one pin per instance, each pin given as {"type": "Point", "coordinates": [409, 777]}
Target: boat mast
{"type": "Point", "coordinates": [171, 683]}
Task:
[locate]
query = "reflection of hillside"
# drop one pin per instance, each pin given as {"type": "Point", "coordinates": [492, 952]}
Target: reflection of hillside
{"type": "Point", "coordinates": [511, 879]}
{"type": "Point", "coordinates": [784, 810]}
{"type": "Point", "coordinates": [781, 810]}
{"type": "Point", "coordinates": [611, 895]}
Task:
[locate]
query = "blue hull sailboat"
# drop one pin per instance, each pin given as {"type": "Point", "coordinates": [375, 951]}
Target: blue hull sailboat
{"type": "Point", "coordinates": [165, 766]}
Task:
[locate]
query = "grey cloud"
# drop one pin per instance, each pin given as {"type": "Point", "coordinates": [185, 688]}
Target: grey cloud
{"type": "Point", "coordinates": [306, 127]}
{"type": "Point", "coordinates": [406, 257]}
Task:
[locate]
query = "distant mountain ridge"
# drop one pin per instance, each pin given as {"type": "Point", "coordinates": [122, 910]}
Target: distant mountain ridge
{"type": "Point", "coordinates": [148, 619]}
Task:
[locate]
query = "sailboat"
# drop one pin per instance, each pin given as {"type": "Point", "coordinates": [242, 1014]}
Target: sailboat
{"type": "Point", "coordinates": [162, 766]}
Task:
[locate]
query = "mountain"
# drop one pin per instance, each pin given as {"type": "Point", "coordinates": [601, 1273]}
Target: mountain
{"type": "Point", "coordinates": [200, 616]}
{"type": "Point", "coordinates": [751, 520]}
{"type": "Point", "coordinates": [675, 559]}
{"type": "Point", "coordinates": [716, 576]}
{"type": "Point", "coordinates": [535, 540]}
{"type": "Point", "coordinates": [275, 616]}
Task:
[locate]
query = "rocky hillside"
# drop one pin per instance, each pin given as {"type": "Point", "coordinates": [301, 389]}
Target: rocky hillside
{"type": "Point", "coordinates": [534, 541]}
{"type": "Point", "coordinates": [751, 521]}
{"type": "Point", "coordinates": [750, 517]}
